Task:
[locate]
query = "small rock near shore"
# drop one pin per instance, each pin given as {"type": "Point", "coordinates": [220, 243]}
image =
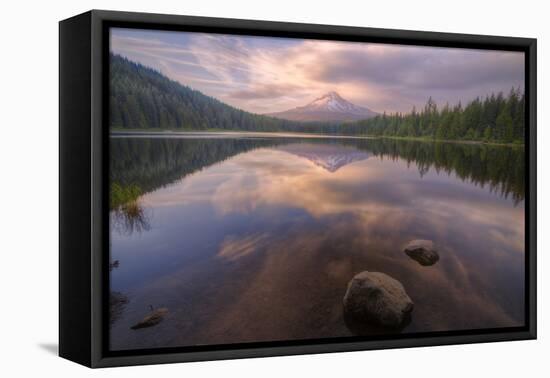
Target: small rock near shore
{"type": "Point", "coordinates": [422, 251]}
{"type": "Point", "coordinates": [377, 298]}
{"type": "Point", "coordinates": [152, 319]}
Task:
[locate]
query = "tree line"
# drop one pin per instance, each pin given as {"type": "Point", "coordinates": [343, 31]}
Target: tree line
{"type": "Point", "coordinates": [496, 118]}
{"type": "Point", "coordinates": [143, 98]}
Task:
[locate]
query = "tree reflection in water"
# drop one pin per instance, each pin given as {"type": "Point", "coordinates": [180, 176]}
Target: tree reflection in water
{"type": "Point", "coordinates": [127, 214]}
{"type": "Point", "coordinates": [151, 163]}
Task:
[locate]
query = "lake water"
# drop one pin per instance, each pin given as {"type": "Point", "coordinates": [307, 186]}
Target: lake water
{"type": "Point", "coordinates": [247, 239]}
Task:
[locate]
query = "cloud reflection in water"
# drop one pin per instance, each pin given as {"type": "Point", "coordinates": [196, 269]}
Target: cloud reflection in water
{"type": "Point", "coordinates": [261, 246]}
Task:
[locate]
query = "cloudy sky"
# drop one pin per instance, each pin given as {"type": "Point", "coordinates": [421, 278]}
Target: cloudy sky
{"type": "Point", "coordinates": [264, 74]}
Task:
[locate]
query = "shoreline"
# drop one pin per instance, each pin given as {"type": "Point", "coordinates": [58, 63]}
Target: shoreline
{"type": "Point", "coordinates": [274, 134]}
{"type": "Point", "coordinates": [230, 133]}
{"type": "Point", "coordinates": [431, 140]}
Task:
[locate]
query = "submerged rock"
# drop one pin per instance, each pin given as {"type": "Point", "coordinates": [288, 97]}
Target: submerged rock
{"type": "Point", "coordinates": [422, 251]}
{"type": "Point", "coordinates": [152, 319]}
{"type": "Point", "coordinates": [376, 298]}
{"type": "Point", "coordinates": [114, 265]}
{"type": "Point", "coordinates": [360, 327]}
{"type": "Point", "coordinates": [117, 303]}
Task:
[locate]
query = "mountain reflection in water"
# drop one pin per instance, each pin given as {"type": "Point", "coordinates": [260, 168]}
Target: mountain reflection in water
{"type": "Point", "coordinates": [255, 239]}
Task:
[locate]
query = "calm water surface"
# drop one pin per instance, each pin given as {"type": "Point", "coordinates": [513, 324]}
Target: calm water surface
{"type": "Point", "coordinates": [255, 239]}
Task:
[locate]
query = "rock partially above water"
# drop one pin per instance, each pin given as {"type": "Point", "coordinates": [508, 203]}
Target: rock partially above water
{"type": "Point", "coordinates": [152, 319]}
{"type": "Point", "coordinates": [377, 298]}
{"type": "Point", "coordinates": [422, 251]}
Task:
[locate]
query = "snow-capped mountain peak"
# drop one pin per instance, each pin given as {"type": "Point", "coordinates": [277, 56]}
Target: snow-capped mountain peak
{"type": "Point", "coordinates": [330, 107]}
{"type": "Point", "coordinates": [332, 101]}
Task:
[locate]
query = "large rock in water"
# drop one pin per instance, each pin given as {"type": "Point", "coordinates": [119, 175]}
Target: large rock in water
{"type": "Point", "coordinates": [377, 298]}
{"type": "Point", "coordinates": [422, 251]}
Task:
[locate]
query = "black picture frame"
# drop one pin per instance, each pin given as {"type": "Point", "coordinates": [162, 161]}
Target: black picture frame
{"type": "Point", "coordinates": [83, 228]}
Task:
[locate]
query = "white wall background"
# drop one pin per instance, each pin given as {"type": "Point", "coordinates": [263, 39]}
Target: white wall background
{"type": "Point", "coordinates": [29, 187]}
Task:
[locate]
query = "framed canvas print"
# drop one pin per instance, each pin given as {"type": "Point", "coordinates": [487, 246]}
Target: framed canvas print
{"type": "Point", "coordinates": [233, 188]}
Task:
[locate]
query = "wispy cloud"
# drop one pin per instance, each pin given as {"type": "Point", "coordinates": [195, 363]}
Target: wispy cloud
{"type": "Point", "coordinates": [233, 248]}
{"type": "Point", "coordinates": [262, 74]}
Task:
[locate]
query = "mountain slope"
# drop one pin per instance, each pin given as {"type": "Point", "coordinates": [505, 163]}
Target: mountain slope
{"type": "Point", "coordinates": [142, 98]}
{"type": "Point", "coordinates": [330, 107]}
